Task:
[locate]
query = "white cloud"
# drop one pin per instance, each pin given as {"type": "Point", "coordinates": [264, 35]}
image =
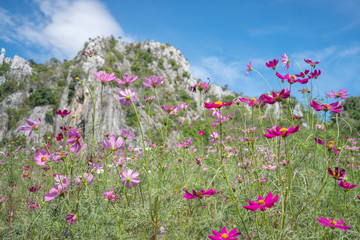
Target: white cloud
{"type": "Point", "coordinates": [62, 27]}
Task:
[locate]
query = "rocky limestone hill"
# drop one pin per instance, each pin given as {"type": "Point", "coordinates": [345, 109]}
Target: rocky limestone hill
{"type": "Point", "coordinates": [31, 90]}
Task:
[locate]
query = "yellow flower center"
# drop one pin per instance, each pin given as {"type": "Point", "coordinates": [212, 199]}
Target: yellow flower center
{"type": "Point", "coordinates": [128, 179]}
{"type": "Point", "coordinates": [333, 222]}
{"type": "Point", "coordinates": [261, 202]}
{"type": "Point", "coordinates": [198, 193]}
{"type": "Point", "coordinates": [43, 159]}
{"type": "Point", "coordinates": [336, 175]}
{"type": "Point", "coordinates": [283, 130]}
{"type": "Point", "coordinates": [77, 140]}
{"type": "Point", "coordinates": [252, 99]}
{"type": "Point", "coordinates": [224, 236]}
{"type": "Point", "coordinates": [331, 142]}
{"type": "Point", "coordinates": [337, 95]}
{"type": "Point", "coordinates": [292, 77]}
{"type": "Point", "coordinates": [219, 103]}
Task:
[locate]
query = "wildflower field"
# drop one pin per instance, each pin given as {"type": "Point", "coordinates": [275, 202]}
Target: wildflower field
{"type": "Point", "coordinates": [241, 171]}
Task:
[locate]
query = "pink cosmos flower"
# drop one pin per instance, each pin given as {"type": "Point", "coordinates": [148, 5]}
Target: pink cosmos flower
{"type": "Point", "coordinates": [217, 104]}
{"type": "Point", "coordinates": [340, 94]}
{"type": "Point", "coordinates": [333, 224]}
{"type": "Point", "coordinates": [201, 133]}
{"type": "Point", "coordinates": [130, 177]}
{"type": "Point", "coordinates": [126, 134]}
{"type": "Point", "coordinates": [105, 77]}
{"type": "Point", "coordinates": [62, 113]}
{"type": "Point", "coordinates": [150, 99]}
{"type": "Point", "coordinates": [337, 175]}
{"type": "Point", "coordinates": [174, 111]}
{"type": "Point", "coordinates": [86, 179]}
{"type": "Point", "coordinates": [221, 119]}
{"type": "Point", "coordinates": [252, 101]}
{"type": "Point", "coordinates": [127, 80]}
{"type": "Point", "coordinates": [313, 64]}
{"type": "Point", "coordinates": [333, 107]}
{"type": "Point", "coordinates": [200, 86]}
{"type": "Point", "coordinates": [214, 137]}
{"type": "Point", "coordinates": [272, 63]}
{"type": "Point", "coordinates": [249, 68]}
{"type": "Point", "coordinates": [199, 195]}
{"type": "Point", "coordinates": [110, 195]}
{"type": "Point", "coordinates": [346, 186]}
{"type": "Point", "coordinates": [185, 144]}
{"type": "Point", "coordinates": [224, 234]}
{"type": "Point", "coordinates": [291, 79]}
{"type": "Point", "coordinates": [286, 61]}
{"type": "Point", "coordinates": [183, 106]}
{"type": "Point", "coordinates": [315, 74]}
{"type": "Point", "coordinates": [112, 143]}
{"type": "Point", "coordinates": [61, 184]}
{"type": "Point", "coordinates": [269, 167]}
{"type": "Point", "coordinates": [284, 132]}
{"type": "Point", "coordinates": [71, 218]}
{"type": "Point", "coordinates": [42, 157]}
{"type": "Point", "coordinates": [32, 126]}
{"type": "Point", "coordinates": [277, 97]}
{"type": "Point", "coordinates": [153, 82]}
{"type": "Point", "coordinates": [89, 53]}
{"type": "Point", "coordinates": [261, 203]}
{"type": "Point", "coordinates": [126, 96]}
{"type": "Point", "coordinates": [74, 138]}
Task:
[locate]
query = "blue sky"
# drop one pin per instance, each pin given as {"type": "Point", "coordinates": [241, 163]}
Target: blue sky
{"type": "Point", "coordinates": [217, 39]}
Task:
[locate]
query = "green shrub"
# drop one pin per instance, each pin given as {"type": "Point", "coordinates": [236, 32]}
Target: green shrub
{"type": "Point", "coordinates": [173, 64]}
{"type": "Point", "coordinates": [4, 68]}
{"type": "Point", "coordinates": [49, 117]}
{"type": "Point", "coordinates": [43, 96]}
{"type": "Point", "coordinates": [161, 63]}
{"type": "Point", "coordinates": [71, 92]}
{"type": "Point", "coordinates": [186, 74]}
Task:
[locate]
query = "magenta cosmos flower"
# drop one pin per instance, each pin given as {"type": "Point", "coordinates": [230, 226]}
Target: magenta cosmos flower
{"type": "Point", "coordinates": [126, 96]}
{"type": "Point", "coordinates": [112, 143]}
{"type": "Point", "coordinates": [32, 126]}
{"type": "Point", "coordinates": [333, 224]}
{"type": "Point", "coordinates": [89, 53]}
{"type": "Point", "coordinates": [42, 157]}
{"type": "Point", "coordinates": [346, 186]}
{"type": "Point", "coordinates": [110, 195]}
{"type": "Point", "coordinates": [127, 80]}
{"type": "Point", "coordinates": [291, 78]}
{"type": "Point", "coordinates": [62, 113]}
{"type": "Point", "coordinates": [337, 175]}
{"type": "Point", "coordinates": [200, 86]}
{"type": "Point", "coordinates": [315, 74]}
{"type": "Point", "coordinates": [74, 138]}
{"type": "Point", "coordinates": [333, 107]}
{"type": "Point", "coordinates": [199, 195]}
{"type": "Point", "coordinates": [253, 101]}
{"type": "Point", "coordinates": [105, 77]}
{"type": "Point", "coordinates": [225, 234]}
{"type": "Point", "coordinates": [272, 63]}
{"type": "Point", "coordinates": [286, 61]}
{"type": "Point", "coordinates": [130, 177]}
{"type": "Point", "coordinates": [302, 74]}
{"type": "Point", "coordinates": [86, 179]}
{"type": "Point", "coordinates": [153, 82]}
{"type": "Point", "coordinates": [313, 64]}
{"type": "Point", "coordinates": [261, 203]}
{"type": "Point", "coordinates": [217, 104]}
{"type": "Point", "coordinates": [277, 97]}
{"type": "Point", "coordinates": [284, 132]}
{"type": "Point", "coordinates": [340, 94]}
{"type": "Point", "coordinates": [71, 218]}
{"type": "Point", "coordinates": [249, 68]}
{"type": "Point", "coordinates": [330, 145]}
